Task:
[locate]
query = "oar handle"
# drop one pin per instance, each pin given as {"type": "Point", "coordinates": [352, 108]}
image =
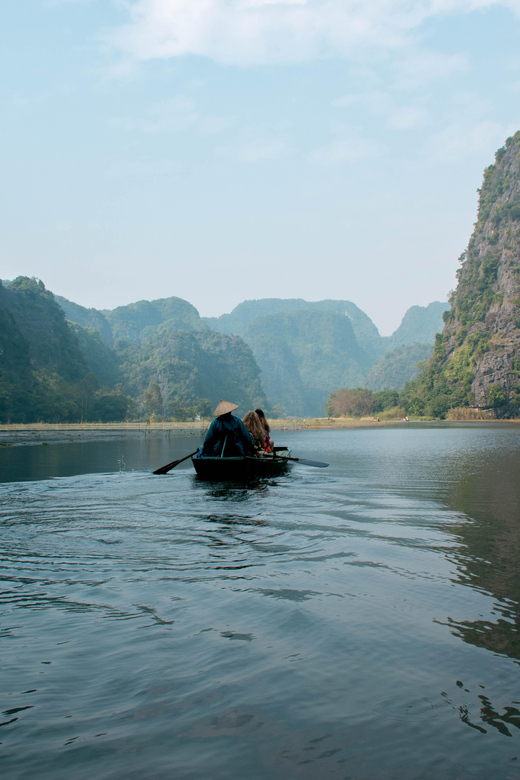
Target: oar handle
{"type": "Point", "coordinates": [317, 463]}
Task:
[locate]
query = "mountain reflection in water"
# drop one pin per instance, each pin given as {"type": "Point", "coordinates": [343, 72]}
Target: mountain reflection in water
{"type": "Point", "coordinates": [360, 621]}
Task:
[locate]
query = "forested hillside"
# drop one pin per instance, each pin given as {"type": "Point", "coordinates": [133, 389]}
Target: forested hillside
{"type": "Point", "coordinates": [45, 374]}
{"type": "Point", "coordinates": [306, 350]}
{"type": "Point", "coordinates": [418, 326]}
{"type": "Point", "coordinates": [398, 367]}
{"type": "Point", "coordinates": [16, 382]}
{"type": "Point", "coordinates": [302, 354]}
{"type": "Point", "coordinates": [88, 318]}
{"type": "Point", "coordinates": [62, 361]}
{"type": "Point", "coordinates": [243, 315]}
{"type": "Point", "coordinates": [164, 360]}
{"type": "Point", "coordinates": [141, 320]}
{"type": "Point", "coordinates": [476, 360]}
{"type": "Point", "coordinates": [180, 374]}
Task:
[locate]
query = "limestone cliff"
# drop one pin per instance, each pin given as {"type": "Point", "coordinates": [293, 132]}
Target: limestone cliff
{"type": "Point", "coordinates": [476, 360]}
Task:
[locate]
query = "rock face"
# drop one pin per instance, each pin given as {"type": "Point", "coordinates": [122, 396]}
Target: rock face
{"type": "Point", "coordinates": [476, 360]}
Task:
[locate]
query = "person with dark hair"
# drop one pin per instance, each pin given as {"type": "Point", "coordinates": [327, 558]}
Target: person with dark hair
{"type": "Point", "coordinates": [227, 435]}
{"type": "Point", "coordinates": [268, 443]}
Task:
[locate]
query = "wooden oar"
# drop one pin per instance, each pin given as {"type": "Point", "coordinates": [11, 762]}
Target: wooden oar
{"type": "Point", "coordinates": [170, 466]}
{"type": "Point", "coordinates": [303, 461]}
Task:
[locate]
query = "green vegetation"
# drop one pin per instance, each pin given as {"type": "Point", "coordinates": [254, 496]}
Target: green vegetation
{"type": "Point", "coordinates": [180, 375]}
{"type": "Point", "coordinates": [419, 325]}
{"type": "Point", "coordinates": [44, 373]}
{"type": "Point", "coordinates": [481, 339]}
{"type": "Point", "coordinates": [58, 371]}
{"type": "Point", "coordinates": [139, 321]}
{"type": "Point", "coordinates": [398, 367]}
{"type": "Point", "coordinates": [15, 366]}
{"type": "Point", "coordinates": [160, 360]}
{"type": "Point", "coordinates": [89, 318]}
{"type": "Point", "coordinates": [302, 354]}
{"type": "Point", "coordinates": [100, 359]}
{"type": "Point", "coordinates": [52, 345]}
{"type": "Point", "coordinates": [360, 402]}
{"type": "Point", "coordinates": [495, 395]}
{"type": "Point", "coordinates": [306, 349]}
{"type": "Point", "coordinates": [246, 313]}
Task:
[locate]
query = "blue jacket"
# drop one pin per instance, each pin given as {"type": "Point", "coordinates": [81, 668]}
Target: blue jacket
{"type": "Point", "coordinates": [227, 433]}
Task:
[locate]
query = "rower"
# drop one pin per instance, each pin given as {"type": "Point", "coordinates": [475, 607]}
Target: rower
{"type": "Point", "coordinates": [227, 436]}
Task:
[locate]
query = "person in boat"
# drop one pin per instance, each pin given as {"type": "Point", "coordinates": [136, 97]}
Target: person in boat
{"type": "Point", "coordinates": [254, 426]}
{"type": "Point", "coordinates": [268, 442]}
{"type": "Point", "coordinates": [227, 435]}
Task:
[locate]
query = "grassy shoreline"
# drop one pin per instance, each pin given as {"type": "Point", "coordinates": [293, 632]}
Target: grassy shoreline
{"type": "Point", "coordinates": [200, 426]}
{"type": "Point", "coordinates": [293, 424]}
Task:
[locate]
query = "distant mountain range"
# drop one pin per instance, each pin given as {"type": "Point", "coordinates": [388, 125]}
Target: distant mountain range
{"type": "Point", "coordinates": [164, 359]}
{"type": "Point", "coordinates": [305, 350]}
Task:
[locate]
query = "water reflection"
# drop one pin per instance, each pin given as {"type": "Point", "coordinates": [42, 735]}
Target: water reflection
{"type": "Point", "coordinates": [232, 492]}
{"type": "Point", "coordinates": [488, 495]}
{"type": "Point", "coordinates": [68, 454]}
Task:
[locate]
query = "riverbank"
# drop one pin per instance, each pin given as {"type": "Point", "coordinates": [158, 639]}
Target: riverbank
{"type": "Point", "coordinates": [46, 433]}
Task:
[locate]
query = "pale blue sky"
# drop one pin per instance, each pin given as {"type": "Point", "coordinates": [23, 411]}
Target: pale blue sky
{"type": "Point", "coordinates": [220, 150]}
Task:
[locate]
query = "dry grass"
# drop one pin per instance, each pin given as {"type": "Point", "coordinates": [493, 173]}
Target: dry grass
{"type": "Point", "coordinates": [390, 417]}
{"type": "Point", "coordinates": [465, 413]}
{"type": "Point", "coordinates": [324, 422]}
{"type": "Point", "coordinates": [198, 426]}
{"type": "Point", "coordinates": [126, 426]}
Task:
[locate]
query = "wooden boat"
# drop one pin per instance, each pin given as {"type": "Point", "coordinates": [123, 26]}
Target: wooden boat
{"type": "Point", "coordinates": [240, 469]}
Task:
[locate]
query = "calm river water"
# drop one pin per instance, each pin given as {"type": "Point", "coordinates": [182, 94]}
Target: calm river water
{"type": "Point", "coordinates": [360, 621]}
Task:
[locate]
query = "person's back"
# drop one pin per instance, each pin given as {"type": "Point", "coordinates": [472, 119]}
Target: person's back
{"type": "Point", "coordinates": [227, 435]}
{"type": "Point", "coordinates": [268, 442]}
{"type": "Point", "coordinates": [254, 426]}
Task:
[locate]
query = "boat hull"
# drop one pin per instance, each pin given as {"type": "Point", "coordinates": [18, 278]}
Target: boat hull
{"type": "Point", "coordinates": [239, 469]}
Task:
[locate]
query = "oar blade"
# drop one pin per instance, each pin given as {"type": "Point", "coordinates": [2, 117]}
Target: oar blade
{"type": "Point", "coordinates": [167, 468]}
{"type": "Point", "coordinates": [170, 466]}
{"type": "Point", "coordinates": [316, 463]}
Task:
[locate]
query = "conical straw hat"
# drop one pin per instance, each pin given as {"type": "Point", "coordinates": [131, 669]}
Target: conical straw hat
{"type": "Point", "coordinates": [224, 407]}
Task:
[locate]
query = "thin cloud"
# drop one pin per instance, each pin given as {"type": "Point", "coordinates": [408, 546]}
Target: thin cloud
{"type": "Point", "coordinates": [245, 32]}
{"type": "Point", "coordinates": [256, 150]}
{"type": "Point", "coordinates": [143, 168]}
{"type": "Point", "coordinates": [408, 118]}
{"type": "Point", "coordinates": [348, 150]}
{"type": "Point", "coordinates": [403, 117]}
{"type": "Point", "coordinates": [420, 68]}
{"type": "Point", "coordinates": [174, 115]}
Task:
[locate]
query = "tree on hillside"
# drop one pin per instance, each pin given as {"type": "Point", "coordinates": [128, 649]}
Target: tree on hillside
{"type": "Point", "coordinates": [345, 402]}
{"type": "Point", "coordinates": [152, 399]}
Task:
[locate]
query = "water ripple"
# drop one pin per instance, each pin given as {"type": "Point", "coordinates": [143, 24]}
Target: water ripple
{"type": "Point", "coordinates": [316, 624]}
